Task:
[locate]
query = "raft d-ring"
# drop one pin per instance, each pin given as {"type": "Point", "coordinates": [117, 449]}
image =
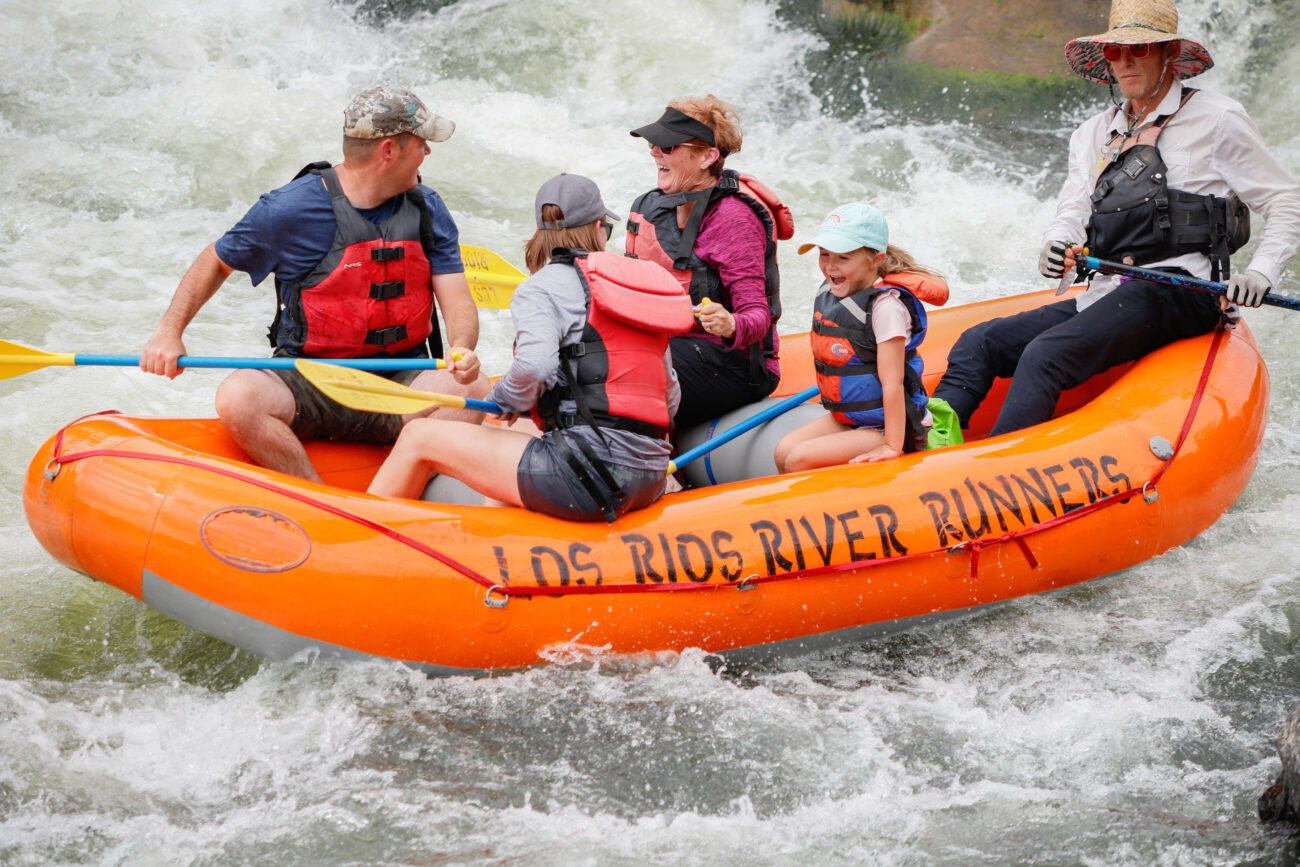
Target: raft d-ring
{"type": "Point", "coordinates": [493, 603]}
{"type": "Point", "coordinates": [960, 547]}
{"type": "Point", "coordinates": [1149, 492]}
{"type": "Point", "coordinates": [52, 469]}
{"type": "Point", "coordinates": [749, 582]}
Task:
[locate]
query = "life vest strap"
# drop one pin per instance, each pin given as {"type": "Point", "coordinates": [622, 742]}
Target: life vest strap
{"type": "Point", "coordinates": [385, 336]}
{"type": "Point", "coordinates": [387, 254]}
{"type": "Point", "coordinates": [385, 291]}
{"type": "Point", "coordinates": [563, 420]}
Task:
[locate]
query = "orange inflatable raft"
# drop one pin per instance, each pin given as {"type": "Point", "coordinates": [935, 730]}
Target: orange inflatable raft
{"type": "Point", "coordinates": [1137, 461]}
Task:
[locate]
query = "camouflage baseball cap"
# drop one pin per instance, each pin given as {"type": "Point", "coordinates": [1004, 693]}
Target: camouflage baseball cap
{"type": "Point", "coordinates": [382, 110]}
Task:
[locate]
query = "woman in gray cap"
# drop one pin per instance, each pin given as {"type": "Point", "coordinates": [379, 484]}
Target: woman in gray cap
{"type": "Point", "coordinates": [591, 366]}
{"type": "Point", "coordinates": [716, 230]}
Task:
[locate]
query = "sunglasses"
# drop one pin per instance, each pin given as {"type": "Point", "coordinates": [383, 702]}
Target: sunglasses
{"type": "Point", "coordinates": [1113, 52]}
{"type": "Point", "coordinates": [667, 150]}
{"type": "Point", "coordinates": [608, 227]}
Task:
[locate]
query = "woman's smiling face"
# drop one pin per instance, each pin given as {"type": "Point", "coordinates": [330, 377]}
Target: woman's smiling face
{"type": "Point", "coordinates": [684, 168]}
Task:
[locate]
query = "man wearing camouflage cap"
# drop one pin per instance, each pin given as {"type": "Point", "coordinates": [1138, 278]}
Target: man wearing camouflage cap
{"type": "Point", "coordinates": [364, 256]}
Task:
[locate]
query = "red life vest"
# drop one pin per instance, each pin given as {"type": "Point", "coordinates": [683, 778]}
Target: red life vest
{"type": "Point", "coordinates": [653, 234]}
{"type": "Point", "coordinates": [615, 373]}
{"type": "Point", "coordinates": [370, 294]}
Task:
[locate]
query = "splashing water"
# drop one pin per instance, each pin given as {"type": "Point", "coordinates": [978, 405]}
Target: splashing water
{"type": "Point", "coordinates": [1127, 721]}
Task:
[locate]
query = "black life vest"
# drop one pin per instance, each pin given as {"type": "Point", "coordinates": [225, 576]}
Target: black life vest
{"type": "Point", "coordinates": [653, 234]}
{"type": "Point", "coordinates": [844, 355]}
{"type": "Point", "coordinates": [371, 293]}
{"type": "Point", "coordinates": [1135, 214]}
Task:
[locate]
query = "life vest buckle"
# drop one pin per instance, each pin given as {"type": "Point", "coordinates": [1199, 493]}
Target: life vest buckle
{"type": "Point", "coordinates": [385, 336]}
{"type": "Point", "coordinates": [387, 254]}
{"type": "Point", "coordinates": [387, 291]}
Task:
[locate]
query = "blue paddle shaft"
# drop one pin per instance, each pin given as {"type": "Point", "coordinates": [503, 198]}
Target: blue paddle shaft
{"type": "Point", "coordinates": [261, 363]}
{"type": "Point", "coordinates": [1095, 264]}
{"type": "Point", "coordinates": [748, 424]}
{"type": "Point", "coordinates": [484, 406]}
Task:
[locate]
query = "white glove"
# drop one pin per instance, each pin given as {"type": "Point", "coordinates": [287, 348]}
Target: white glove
{"type": "Point", "coordinates": [1247, 289]}
{"type": "Point", "coordinates": [1051, 261]}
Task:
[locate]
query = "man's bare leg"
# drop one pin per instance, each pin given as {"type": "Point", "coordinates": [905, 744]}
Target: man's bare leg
{"type": "Point", "coordinates": [257, 409]}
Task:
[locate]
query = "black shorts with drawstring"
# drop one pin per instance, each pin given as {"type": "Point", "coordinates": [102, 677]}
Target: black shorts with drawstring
{"type": "Point", "coordinates": [548, 483]}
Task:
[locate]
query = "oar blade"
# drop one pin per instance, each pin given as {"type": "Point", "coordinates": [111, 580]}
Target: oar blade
{"type": "Point", "coordinates": [357, 389]}
{"type": "Point", "coordinates": [492, 280]}
{"type": "Point", "coordinates": [16, 359]}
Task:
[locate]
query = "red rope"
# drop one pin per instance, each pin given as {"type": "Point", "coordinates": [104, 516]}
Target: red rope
{"type": "Point", "coordinates": [974, 546]}
{"type": "Point", "coordinates": [292, 494]}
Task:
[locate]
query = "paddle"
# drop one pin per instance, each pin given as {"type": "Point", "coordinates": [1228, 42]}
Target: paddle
{"type": "Point", "coordinates": [492, 280]}
{"type": "Point", "coordinates": [16, 359]}
{"type": "Point", "coordinates": [748, 424]}
{"type": "Point", "coordinates": [1094, 264]}
{"type": "Point", "coordinates": [357, 389]}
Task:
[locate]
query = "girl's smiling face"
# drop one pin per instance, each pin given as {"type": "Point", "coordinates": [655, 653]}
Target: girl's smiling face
{"type": "Point", "coordinates": [850, 272]}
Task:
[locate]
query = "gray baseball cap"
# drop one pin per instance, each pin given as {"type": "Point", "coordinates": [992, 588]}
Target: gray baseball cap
{"type": "Point", "coordinates": [577, 198]}
{"type": "Point", "coordinates": [384, 110]}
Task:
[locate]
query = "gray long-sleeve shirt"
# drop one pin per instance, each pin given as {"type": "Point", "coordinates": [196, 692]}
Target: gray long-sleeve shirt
{"type": "Point", "coordinates": [549, 310]}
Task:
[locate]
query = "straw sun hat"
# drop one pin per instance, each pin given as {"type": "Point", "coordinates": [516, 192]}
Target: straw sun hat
{"type": "Point", "coordinates": [1133, 22]}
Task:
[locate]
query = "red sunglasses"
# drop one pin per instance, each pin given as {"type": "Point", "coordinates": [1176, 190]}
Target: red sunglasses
{"type": "Point", "coordinates": [1113, 52]}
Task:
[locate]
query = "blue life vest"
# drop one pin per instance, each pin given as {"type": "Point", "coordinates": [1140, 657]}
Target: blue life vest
{"type": "Point", "coordinates": [844, 352]}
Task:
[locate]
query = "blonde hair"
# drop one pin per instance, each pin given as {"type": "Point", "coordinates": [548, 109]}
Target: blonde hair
{"type": "Point", "coordinates": [898, 260]}
{"type": "Point", "coordinates": [537, 249]}
{"type": "Point", "coordinates": [718, 116]}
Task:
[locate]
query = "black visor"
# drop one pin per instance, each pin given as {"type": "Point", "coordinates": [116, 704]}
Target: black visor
{"type": "Point", "coordinates": [674, 128]}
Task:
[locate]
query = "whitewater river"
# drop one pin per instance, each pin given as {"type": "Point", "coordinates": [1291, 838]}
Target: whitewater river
{"type": "Point", "coordinates": [1127, 721]}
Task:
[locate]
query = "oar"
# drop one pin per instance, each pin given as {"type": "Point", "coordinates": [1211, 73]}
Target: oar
{"type": "Point", "coordinates": [357, 389]}
{"type": "Point", "coordinates": [365, 391]}
{"type": "Point", "coordinates": [16, 359]}
{"type": "Point", "coordinates": [748, 424]}
{"type": "Point", "coordinates": [492, 280]}
{"type": "Point", "coordinates": [1095, 264]}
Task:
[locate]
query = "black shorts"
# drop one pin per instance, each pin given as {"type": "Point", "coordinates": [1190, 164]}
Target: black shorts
{"type": "Point", "coordinates": [317, 417]}
{"type": "Point", "coordinates": [548, 484]}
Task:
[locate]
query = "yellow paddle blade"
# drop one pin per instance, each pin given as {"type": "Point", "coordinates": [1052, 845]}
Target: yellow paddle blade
{"type": "Point", "coordinates": [492, 280]}
{"type": "Point", "coordinates": [358, 389]}
{"type": "Point", "coordinates": [16, 359]}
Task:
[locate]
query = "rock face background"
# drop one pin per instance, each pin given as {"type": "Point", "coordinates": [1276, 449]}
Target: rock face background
{"type": "Point", "coordinates": [1025, 36]}
{"type": "Point", "coordinates": [1281, 803]}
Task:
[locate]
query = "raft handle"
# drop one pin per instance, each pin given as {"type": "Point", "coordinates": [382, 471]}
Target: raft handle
{"type": "Point", "coordinates": [492, 603]}
{"type": "Point", "coordinates": [1149, 492]}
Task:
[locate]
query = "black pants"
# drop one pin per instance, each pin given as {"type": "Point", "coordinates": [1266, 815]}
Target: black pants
{"type": "Point", "coordinates": [714, 380]}
{"type": "Point", "coordinates": [1050, 349]}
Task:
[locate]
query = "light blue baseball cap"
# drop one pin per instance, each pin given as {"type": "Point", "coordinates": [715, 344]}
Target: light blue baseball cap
{"type": "Point", "coordinates": [849, 227]}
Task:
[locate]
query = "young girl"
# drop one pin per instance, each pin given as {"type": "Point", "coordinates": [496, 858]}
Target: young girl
{"type": "Point", "coordinates": [864, 341]}
{"type": "Point", "coordinates": [592, 366]}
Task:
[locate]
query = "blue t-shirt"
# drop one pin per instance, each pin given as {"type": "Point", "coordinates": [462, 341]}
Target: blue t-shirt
{"type": "Point", "coordinates": [290, 229]}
